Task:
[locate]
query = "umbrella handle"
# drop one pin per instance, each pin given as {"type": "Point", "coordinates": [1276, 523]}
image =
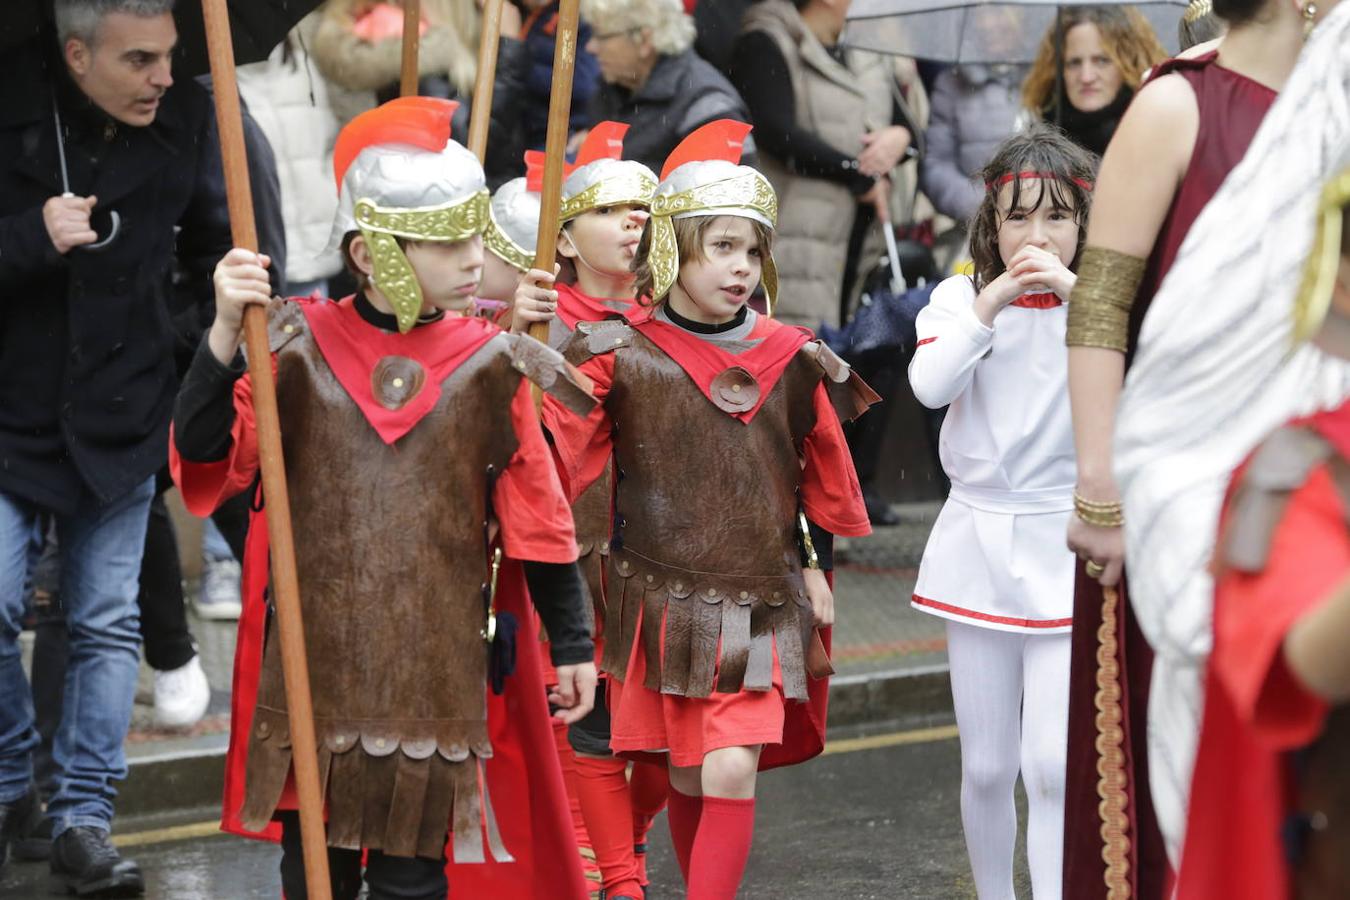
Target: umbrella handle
{"type": "Point", "coordinates": [883, 207]}
{"type": "Point", "coordinates": [112, 232]}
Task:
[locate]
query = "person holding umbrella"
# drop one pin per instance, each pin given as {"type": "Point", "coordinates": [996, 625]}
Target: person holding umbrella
{"type": "Point", "coordinates": [110, 172]}
{"type": "Point", "coordinates": [1089, 66]}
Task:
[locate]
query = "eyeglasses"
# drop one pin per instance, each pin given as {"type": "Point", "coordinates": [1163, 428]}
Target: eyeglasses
{"type": "Point", "coordinates": [626, 32]}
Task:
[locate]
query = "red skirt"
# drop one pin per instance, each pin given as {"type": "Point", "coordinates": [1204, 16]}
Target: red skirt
{"type": "Point", "coordinates": [646, 722]}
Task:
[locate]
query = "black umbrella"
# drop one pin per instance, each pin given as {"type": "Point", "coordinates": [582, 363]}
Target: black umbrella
{"type": "Point", "coordinates": [975, 31]}
{"type": "Point", "coordinates": [257, 26]}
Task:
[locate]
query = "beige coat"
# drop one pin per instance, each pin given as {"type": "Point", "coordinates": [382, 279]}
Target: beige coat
{"type": "Point", "coordinates": [838, 103]}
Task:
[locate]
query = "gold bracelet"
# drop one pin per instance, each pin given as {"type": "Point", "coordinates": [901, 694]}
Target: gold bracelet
{"type": "Point", "coordinates": [1101, 514]}
{"type": "Point", "coordinates": [1099, 307]}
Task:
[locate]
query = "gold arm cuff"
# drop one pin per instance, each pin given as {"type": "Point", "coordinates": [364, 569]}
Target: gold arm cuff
{"type": "Point", "coordinates": [1099, 307]}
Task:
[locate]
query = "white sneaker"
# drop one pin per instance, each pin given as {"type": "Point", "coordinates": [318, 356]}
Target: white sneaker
{"type": "Point", "coordinates": [219, 594]}
{"type": "Point", "coordinates": [181, 695]}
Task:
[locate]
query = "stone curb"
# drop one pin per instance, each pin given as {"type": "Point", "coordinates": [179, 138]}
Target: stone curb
{"type": "Point", "coordinates": [163, 782]}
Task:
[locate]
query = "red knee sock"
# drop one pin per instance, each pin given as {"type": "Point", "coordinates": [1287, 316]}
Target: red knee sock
{"type": "Point", "coordinates": [683, 813]}
{"type": "Point", "coordinates": [568, 762]}
{"type": "Point", "coordinates": [649, 784]}
{"type": "Point", "coordinates": [721, 848]}
{"type": "Point", "coordinates": [602, 785]}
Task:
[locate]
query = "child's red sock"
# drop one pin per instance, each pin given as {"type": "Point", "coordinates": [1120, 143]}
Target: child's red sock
{"type": "Point", "coordinates": [721, 848]}
{"type": "Point", "coordinates": [567, 761]}
{"type": "Point", "coordinates": [683, 814]}
{"type": "Point", "coordinates": [602, 785]}
{"type": "Point", "coordinates": [649, 784]}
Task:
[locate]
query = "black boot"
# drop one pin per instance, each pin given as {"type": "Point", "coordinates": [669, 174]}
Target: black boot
{"type": "Point", "coordinates": [24, 829]}
{"type": "Point", "coordinates": [18, 820]}
{"type": "Point", "coordinates": [84, 862]}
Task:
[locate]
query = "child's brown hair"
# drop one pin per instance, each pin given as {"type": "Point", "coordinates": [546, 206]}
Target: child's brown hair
{"type": "Point", "coordinates": [689, 234]}
{"type": "Point", "coordinates": [1066, 174]}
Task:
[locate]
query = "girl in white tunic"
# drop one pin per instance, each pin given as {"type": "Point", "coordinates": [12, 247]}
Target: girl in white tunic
{"type": "Point", "coordinates": [996, 566]}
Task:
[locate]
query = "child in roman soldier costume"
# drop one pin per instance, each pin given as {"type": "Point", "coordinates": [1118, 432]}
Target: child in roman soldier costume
{"type": "Point", "coordinates": [1269, 815]}
{"type": "Point", "coordinates": [605, 202]}
{"type": "Point", "coordinates": [414, 462]}
{"type": "Point", "coordinates": [509, 239]}
{"type": "Point", "coordinates": [731, 475]}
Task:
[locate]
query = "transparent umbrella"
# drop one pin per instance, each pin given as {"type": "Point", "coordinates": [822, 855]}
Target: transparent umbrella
{"type": "Point", "coordinates": [970, 31]}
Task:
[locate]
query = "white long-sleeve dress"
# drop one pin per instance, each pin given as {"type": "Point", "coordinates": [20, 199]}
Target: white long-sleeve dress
{"type": "Point", "coordinates": [997, 556]}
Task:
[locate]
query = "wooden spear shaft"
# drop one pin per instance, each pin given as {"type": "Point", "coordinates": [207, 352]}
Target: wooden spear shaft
{"type": "Point", "coordinates": [412, 37]}
{"type": "Point", "coordinates": [559, 115]}
{"type": "Point", "coordinates": [480, 116]}
{"type": "Point", "coordinates": [290, 624]}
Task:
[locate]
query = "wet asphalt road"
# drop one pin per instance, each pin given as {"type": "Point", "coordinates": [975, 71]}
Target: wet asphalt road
{"type": "Point", "coordinates": [862, 822]}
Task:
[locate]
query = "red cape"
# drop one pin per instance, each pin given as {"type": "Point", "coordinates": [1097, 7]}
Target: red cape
{"type": "Point", "coordinates": [1256, 710]}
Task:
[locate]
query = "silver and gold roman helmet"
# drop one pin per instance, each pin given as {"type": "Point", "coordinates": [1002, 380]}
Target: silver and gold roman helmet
{"type": "Point", "coordinates": [400, 176]}
{"type": "Point", "coordinates": [513, 224]}
{"type": "Point", "coordinates": [600, 176]}
{"type": "Point", "coordinates": [703, 177]}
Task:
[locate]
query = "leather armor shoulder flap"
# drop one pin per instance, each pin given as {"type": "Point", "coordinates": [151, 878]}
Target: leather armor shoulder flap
{"type": "Point", "coordinates": [285, 323]}
{"type": "Point", "coordinates": [594, 338]}
{"type": "Point", "coordinates": [850, 395]}
{"type": "Point", "coordinates": [547, 368]}
{"type": "Point", "coordinates": [1279, 467]}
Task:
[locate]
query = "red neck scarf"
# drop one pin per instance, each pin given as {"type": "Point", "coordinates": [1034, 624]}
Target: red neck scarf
{"type": "Point", "coordinates": [1038, 301]}
{"type": "Point", "coordinates": [574, 307]}
{"type": "Point", "coordinates": [354, 349]}
{"type": "Point", "coordinates": [707, 362]}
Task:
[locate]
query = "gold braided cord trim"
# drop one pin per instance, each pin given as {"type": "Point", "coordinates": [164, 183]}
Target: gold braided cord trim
{"type": "Point", "coordinates": [497, 241]}
{"type": "Point", "coordinates": [1110, 744]}
{"type": "Point", "coordinates": [451, 222]}
{"type": "Point", "coordinates": [632, 188]}
{"type": "Point", "coordinates": [1197, 9]}
{"type": "Point", "coordinates": [1319, 276]}
{"type": "Point", "coordinates": [750, 192]}
{"type": "Point", "coordinates": [1099, 308]}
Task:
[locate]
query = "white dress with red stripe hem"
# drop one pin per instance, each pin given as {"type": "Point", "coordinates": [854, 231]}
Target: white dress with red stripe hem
{"type": "Point", "coordinates": [996, 556]}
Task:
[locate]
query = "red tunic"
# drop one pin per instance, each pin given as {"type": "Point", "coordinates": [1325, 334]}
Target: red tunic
{"type": "Point", "coordinates": [643, 719]}
{"type": "Point", "coordinates": [523, 775]}
{"type": "Point", "coordinates": [1231, 107]}
{"type": "Point", "coordinates": [1255, 709]}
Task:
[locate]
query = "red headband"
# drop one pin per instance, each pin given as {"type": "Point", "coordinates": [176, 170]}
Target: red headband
{"type": "Point", "coordinates": [990, 185]}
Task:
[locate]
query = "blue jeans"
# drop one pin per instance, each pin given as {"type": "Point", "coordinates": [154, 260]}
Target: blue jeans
{"type": "Point", "coordinates": [101, 547]}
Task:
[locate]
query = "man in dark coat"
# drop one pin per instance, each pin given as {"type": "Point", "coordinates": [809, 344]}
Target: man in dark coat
{"type": "Point", "coordinates": [90, 224]}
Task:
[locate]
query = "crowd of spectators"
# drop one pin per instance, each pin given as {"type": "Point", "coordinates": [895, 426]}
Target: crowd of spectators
{"type": "Point", "coordinates": [853, 142]}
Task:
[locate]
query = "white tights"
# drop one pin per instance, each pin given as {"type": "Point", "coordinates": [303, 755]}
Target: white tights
{"type": "Point", "coordinates": [1011, 693]}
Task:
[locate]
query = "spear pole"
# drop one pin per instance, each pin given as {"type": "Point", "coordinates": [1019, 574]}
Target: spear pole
{"type": "Point", "coordinates": [480, 115]}
{"type": "Point", "coordinates": [290, 624]}
{"type": "Point", "coordinates": [412, 37]}
{"type": "Point", "coordinates": [555, 147]}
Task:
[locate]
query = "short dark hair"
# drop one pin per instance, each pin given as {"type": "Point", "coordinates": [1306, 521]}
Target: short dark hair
{"type": "Point", "coordinates": [1043, 149]}
{"type": "Point", "coordinates": [81, 18]}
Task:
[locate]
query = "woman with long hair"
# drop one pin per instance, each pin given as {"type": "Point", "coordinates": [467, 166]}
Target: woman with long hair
{"type": "Point", "coordinates": [1087, 70]}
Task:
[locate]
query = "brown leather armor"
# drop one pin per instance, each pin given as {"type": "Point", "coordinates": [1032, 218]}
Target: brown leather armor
{"type": "Point", "coordinates": [392, 566]}
{"type": "Point", "coordinates": [704, 537]}
{"type": "Point", "coordinates": [1321, 858]}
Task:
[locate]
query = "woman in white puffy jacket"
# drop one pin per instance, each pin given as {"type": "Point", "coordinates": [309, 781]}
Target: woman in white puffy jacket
{"type": "Point", "coordinates": [996, 566]}
{"type": "Point", "coordinates": [289, 99]}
